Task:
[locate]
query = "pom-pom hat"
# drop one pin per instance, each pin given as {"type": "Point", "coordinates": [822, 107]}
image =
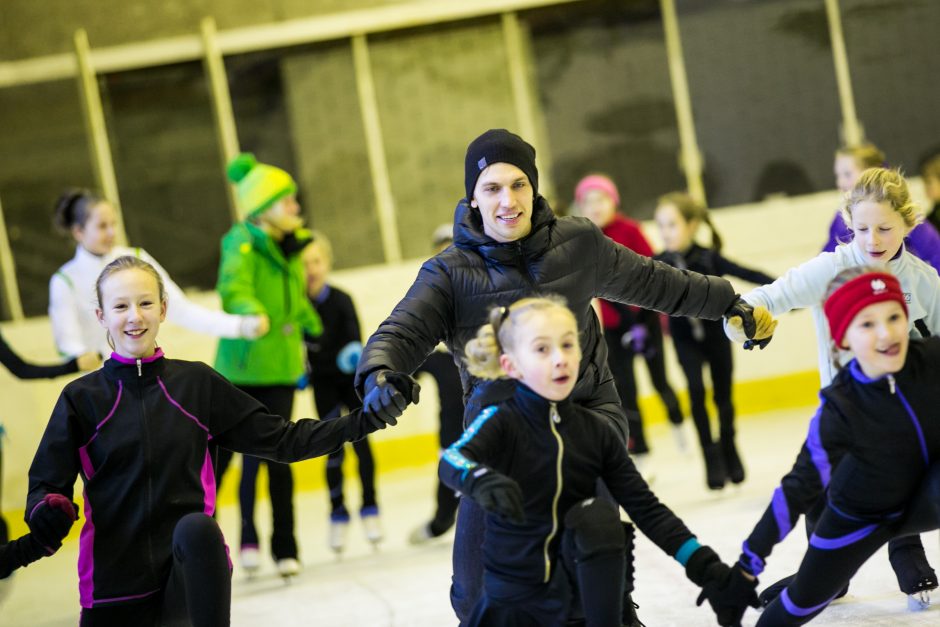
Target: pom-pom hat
{"type": "Point", "coordinates": [258, 185]}
{"type": "Point", "coordinates": [862, 291]}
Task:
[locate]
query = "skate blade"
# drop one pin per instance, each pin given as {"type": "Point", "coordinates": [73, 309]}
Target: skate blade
{"type": "Point", "coordinates": [918, 602]}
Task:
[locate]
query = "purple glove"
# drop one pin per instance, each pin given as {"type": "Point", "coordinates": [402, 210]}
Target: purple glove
{"type": "Point", "coordinates": [636, 339]}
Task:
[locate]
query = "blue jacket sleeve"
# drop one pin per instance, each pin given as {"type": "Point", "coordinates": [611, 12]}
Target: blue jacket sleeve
{"type": "Point", "coordinates": [798, 490]}
{"type": "Point", "coordinates": [925, 243]}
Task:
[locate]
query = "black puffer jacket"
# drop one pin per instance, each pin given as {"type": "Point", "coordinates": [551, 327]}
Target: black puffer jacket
{"type": "Point", "coordinates": [455, 289]}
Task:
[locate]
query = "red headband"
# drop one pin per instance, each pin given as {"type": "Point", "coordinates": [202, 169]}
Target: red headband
{"type": "Point", "coordinates": [860, 292]}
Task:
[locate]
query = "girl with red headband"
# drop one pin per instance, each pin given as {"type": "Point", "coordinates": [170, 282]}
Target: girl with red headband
{"type": "Point", "coordinates": [880, 408]}
{"type": "Point", "coordinates": [880, 211]}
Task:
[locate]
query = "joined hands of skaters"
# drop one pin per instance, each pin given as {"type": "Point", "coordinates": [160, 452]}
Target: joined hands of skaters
{"type": "Point", "coordinates": [752, 325]}
{"type": "Point", "coordinates": [728, 589]}
{"type": "Point", "coordinates": [51, 520]}
{"type": "Point", "coordinates": [388, 393]}
{"type": "Point", "coordinates": [495, 493]}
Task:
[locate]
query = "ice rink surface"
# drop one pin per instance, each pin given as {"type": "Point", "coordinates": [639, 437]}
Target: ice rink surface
{"type": "Point", "coordinates": [401, 585]}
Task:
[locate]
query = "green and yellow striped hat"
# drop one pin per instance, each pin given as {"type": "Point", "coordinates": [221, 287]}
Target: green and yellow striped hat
{"type": "Point", "coordinates": [258, 185]}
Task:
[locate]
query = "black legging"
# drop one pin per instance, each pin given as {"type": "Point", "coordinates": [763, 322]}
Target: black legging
{"type": "Point", "coordinates": [198, 592]}
{"type": "Point", "coordinates": [279, 399]}
{"type": "Point", "coordinates": [333, 395]}
{"type": "Point", "coordinates": [832, 558]}
{"type": "Point", "coordinates": [715, 349]}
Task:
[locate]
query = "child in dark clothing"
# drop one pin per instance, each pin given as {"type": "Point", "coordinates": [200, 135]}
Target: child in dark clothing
{"type": "Point", "coordinates": [332, 359]}
{"type": "Point", "coordinates": [531, 460]}
{"type": "Point", "coordinates": [138, 431]}
{"type": "Point", "coordinates": [678, 216]}
{"type": "Point", "coordinates": [880, 408]}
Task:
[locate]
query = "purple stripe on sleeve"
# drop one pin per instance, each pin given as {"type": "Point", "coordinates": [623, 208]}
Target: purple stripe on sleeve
{"type": "Point", "coordinates": [796, 610]}
{"type": "Point", "coordinates": [180, 407]}
{"type": "Point", "coordinates": [755, 565]}
{"type": "Point", "coordinates": [87, 468]}
{"type": "Point", "coordinates": [207, 476]}
{"type": "Point", "coordinates": [829, 544]}
{"type": "Point", "coordinates": [86, 557]}
{"type": "Point", "coordinates": [781, 514]}
{"type": "Point", "coordinates": [920, 432]}
{"type": "Point", "coordinates": [816, 450]}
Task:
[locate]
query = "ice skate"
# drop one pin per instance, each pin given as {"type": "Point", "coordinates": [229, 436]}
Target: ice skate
{"type": "Point", "coordinates": [339, 526]}
{"type": "Point", "coordinates": [629, 613]}
{"type": "Point", "coordinates": [288, 567]}
{"type": "Point", "coordinates": [715, 473]}
{"type": "Point", "coordinates": [915, 576]}
{"type": "Point", "coordinates": [371, 524]}
{"type": "Point", "coordinates": [250, 559]}
{"type": "Point", "coordinates": [678, 435]}
{"type": "Point", "coordinates": [733, 465]}
{"type": "Point", "coordinates": [421, 535]}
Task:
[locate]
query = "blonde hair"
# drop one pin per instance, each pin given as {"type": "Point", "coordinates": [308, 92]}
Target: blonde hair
{"type": "Point", "coordinates": [838, 281]}
{"type": "Point", "coordinates": [320, 239]}
{"type": "Point", "coordinates": [882, 185]}
{"type": "Point", "coordinates": [691, 209]}
{"type": "Point", "coordinates": [481, 354]}
{"type": "Point", "coordinates": [865, 155]}
{"type": "Point", "coordinates": [127, 262]}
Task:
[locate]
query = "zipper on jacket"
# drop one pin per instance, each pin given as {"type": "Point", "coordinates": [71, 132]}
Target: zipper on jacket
{"type": "Point", "coordinates": [523, 264]}
{"type": "Point", "coordinates": [892, 384]}
{"type": "Point", "coordinates": [554, 418]}
{"type": "Point", "coordinates": [140, 372]}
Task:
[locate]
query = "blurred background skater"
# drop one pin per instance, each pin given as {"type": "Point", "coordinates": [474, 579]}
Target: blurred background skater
{"type": "Point", "coordinates": [629, 330]}
{"type": "Point", "coordinates": [923, 240]}
{"type": "Point", "coordinates": [440, 366]}
{"type": "Point", "coordinates": [698, 342]}
{"type": "Point", "coordinates": [261, 274]}
{"type": "Point", "coordinates": [930, 175]}
{"type": "Point", "coordinates": [91, 220]}
{"type": "Point", "coordinates": [332, 359]}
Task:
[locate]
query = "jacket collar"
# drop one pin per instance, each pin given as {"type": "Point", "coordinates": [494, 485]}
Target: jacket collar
{"type": "Point", "coordinates": [534, 406]}
{"type": "Point", "coordinates": [468, 233]}
{"type": "Point", "coordinates": [119, 367]}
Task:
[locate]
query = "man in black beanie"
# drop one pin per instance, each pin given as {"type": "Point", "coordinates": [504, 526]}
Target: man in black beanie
{"type": "Point", "coordinates": [508, 244]}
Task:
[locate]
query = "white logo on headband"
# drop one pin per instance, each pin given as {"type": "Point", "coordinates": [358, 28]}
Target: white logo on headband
{"type": "Point", "coordinates": [481, 163]}
{"type": "Point", "coordinates": [878, 286]}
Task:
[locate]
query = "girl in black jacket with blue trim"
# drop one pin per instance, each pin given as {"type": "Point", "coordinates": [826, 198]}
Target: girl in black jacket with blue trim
{"type": "Point", "coordinates": [531, 459]}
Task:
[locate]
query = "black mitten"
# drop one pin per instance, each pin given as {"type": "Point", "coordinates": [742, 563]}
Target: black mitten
{"type": "Point", "coordinates": [728, 590]}
{"type": "Point", "coordinates": [496, 493]}
{"type": "Point", "coordinates": [51, 520]}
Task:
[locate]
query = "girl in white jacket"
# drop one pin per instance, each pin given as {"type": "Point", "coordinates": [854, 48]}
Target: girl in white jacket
{"type": "Point", "coordinates": [91, 221]}
{"type": "Point", "coordinates": [881, 213]}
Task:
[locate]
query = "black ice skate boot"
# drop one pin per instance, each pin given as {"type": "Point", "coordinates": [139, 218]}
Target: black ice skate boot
{"type": "Point", "coordinates": [715, 473]}
{"type": "Point", "coordinates": [915, 576]}
{"type": "Point", "coordinates": [772, 591]}
{"type": "Point", "coordinates": [733, 465]}
{"type": "Point", "coordinates": [629, 607]}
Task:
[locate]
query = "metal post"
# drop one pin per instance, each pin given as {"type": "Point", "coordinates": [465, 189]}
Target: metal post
{"type": "Point", "coordinates": [11, 290]}
{"type": "Point", "coordinates": [381, 183]}
{"type": "Point", "coordinates": [689, 154]}
{"type": "Point", "coordinates": [101, 160]}
{"type": "Point", "coordinates": [527, 117]}
{"type": "Point", "coordinates": [222, 112]}
{"type": "Point", "coordinates": [852, 132]}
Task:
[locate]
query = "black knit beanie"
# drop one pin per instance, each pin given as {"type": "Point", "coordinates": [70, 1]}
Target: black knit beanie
{"type": "Point", "coordinates": [499, 146]}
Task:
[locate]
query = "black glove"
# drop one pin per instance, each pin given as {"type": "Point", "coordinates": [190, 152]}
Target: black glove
{"type": "Point", "coordinates": [496, 493]}
{"type": "Point", "coordinates": [51, 520]}
{"type": "Point", "coordinates": [727, 589]}
{"type": "Point", "coordinates": [388, 393]}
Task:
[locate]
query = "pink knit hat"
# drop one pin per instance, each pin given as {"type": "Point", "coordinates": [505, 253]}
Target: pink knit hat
{"type": "Point", "coordinates": [596, 181]}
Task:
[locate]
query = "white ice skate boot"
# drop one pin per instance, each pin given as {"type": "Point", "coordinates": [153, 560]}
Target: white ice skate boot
{"type": "Point", "coordinates": [250, 559]}
{"type": "Point", "coordinates": [288, 567]}
{"type": "Point", "coordinates": [339, 525]}
{"type": "Point", "coordinates": [371, 524]}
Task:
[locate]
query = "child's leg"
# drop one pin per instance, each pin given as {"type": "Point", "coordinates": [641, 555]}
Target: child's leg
{"type": "Point", "coordinates": [620, 362]}
{"type": "Point", "coordinates": [446, 512]}
{"type": "Point", "coordinates": [593, 547]}
{"type": "Point", "coordinates": [656, 364]}
{"type": "Point", "coordinates": [907, 553]}
{"type": "Point", "coordinates": [334, 480]}
{"type": "Point", "coordinates": [831, 560]}
{"type": "Point", "coordinates": [246, 499]}
{"type": "Point", "coordinates": [721, 366]}
{"type": "Point", "coordinates": [145, 613]}
{"type": "Point", "coordinates": [467, 586]}
{"type": "Point", "coordinates": [366, 471]}
{"type": "Point", "coordinates": [692, 360]}
{"type": "Point", "coordinates": [199, 591]}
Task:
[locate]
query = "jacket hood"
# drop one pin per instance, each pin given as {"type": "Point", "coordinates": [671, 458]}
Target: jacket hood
{"type": "Point", "coordinates": [468, 231]}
